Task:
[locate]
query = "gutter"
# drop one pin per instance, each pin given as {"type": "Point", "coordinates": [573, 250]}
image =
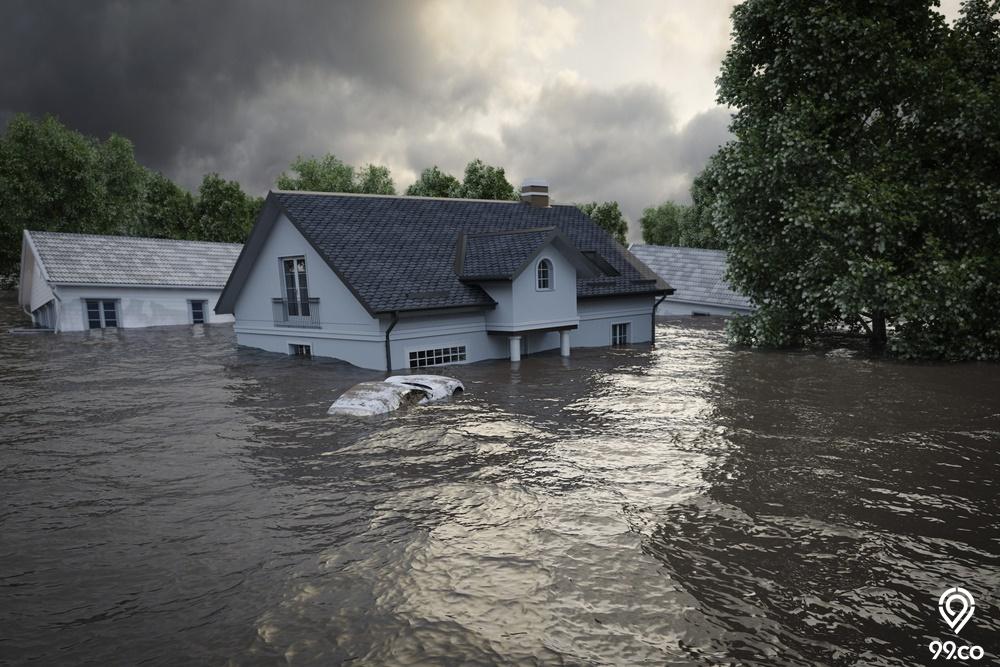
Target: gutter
{"type": "Point", "coordinates": [388, 350]}
{"type": "Point", "coordinates": [652, 320]}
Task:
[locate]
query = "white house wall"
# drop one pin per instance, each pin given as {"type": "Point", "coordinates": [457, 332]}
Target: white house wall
{"type": "Point", "coordinates": [346, 331]}
{"type": "Point", "coordinates": [543, 308]}
{"type": "Point", "coordinates": [137, 307]}
{"type": "Point", "coordinates": [33, 292]}
{"type": "Point", "coordinates": [597, 316]}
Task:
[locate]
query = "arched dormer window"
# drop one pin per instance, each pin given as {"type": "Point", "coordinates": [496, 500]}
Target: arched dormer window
{"type": "Point", "coordinates": [544, 275]}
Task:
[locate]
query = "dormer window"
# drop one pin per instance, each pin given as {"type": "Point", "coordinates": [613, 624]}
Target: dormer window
{"type": "Point", "coordinates": [544, 275]}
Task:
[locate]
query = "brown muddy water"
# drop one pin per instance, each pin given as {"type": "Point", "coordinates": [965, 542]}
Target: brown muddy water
{"type": "Point", "coordinates": [168, 499]}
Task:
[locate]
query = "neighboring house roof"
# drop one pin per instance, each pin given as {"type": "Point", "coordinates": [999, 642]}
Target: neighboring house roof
{"type": "Point", "coordinates": [696, 274]}
{"type": "Point", "coordinates": [399, 253]}
{"type": "Point", "coordinates": [89, 259]}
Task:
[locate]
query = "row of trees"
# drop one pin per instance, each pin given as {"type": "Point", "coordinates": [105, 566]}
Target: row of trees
{"type": "Point", "coordinates": [56, 179]}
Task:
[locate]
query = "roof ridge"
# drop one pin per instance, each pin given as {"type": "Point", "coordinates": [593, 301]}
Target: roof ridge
{"type": "Point", "coordinates": [33, 232]}
{"type": "Point", "coordinates": [404, 197]}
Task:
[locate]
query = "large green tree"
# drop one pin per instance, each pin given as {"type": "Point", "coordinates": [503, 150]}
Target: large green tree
{"type": "Point", "coordinates": [608, 217]}
{"type": "Point", "coordinates": [53, 178]}
{"type": "Point", "coordinates": [330, 174]}
{"type": "Point", "coordinates": [862, 185]}
{"type": "Point", "coordinates": [223, 211]}
{"type": "Point", "coordinates": [483, 181]}
{"type": "Point", "coordinates": [169, 212]}
{"type": "Point", "coordinates": [435, 183]}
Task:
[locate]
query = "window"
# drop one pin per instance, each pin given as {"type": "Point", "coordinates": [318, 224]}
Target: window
{"type": "Point", "coordinates": [544, 275]}
{"type": "Point", "coordinates": [297, 350]}
{"type": "Point", "coordinates": [102, 313]}
{"type": "Point", "coordinates": [296, 286]}
{"type": "Point", "coordinates": [198, 312]}
{"type": "Point", "coordinates": [619, 333]}
{"type": "Point", "coordinates": [444, 355]}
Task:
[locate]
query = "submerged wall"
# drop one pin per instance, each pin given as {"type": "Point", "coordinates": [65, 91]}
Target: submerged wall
{"type": "Point", "coordinates": [137, 307]}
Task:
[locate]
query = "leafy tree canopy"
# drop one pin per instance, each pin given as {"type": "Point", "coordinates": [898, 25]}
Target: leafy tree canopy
{"type": "Point", "coordinates": [862, 188]}
{"type": "Point", "coordinates": [435, 183]}
{"type": "Point", "coordinates": [53, 178]}
{"type": "Point", "coordinates": [483, 181]}
{"type": "Point", "coordinates": [223, 211]}
{"type": "Point", "coordinates": [330, 174]}
{"type": "Point", "coordinates": [608, 217]}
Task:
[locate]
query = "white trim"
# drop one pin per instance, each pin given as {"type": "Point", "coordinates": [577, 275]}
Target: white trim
{"type": "Point", "coordinates": [551, 274]}
{"type": "Point", "coordinates": [628, 332]}
{"type": "Point", "coordinates": [285, 332]}
{"type": "Point", "coordinates": [527, 326]}
{"type": "Point", "coordinates": [434, 346]}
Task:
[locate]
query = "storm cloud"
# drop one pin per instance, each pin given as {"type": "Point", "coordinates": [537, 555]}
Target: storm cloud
{"type": "Point", "coordinates": [242, 87]}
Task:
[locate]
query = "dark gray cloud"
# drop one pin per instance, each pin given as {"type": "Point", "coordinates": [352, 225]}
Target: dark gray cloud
{"type": "Point", "coordinates": [243, 86]}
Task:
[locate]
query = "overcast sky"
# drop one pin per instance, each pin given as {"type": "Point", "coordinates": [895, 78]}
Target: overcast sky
{"type": "Point", "coordinates": [606, 100]}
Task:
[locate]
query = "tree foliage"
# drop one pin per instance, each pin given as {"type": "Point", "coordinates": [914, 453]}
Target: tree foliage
{"type": "Point", "coordinates": [55, 179]}
{"type": "Point", "coordinates": [435, 183]}
{"type": "Point", "coordinates": [862, 188]}
{"type": "Point", "coordinates": [223, 212]}
{"type": "Point", "coordinates": [608, 217]}
{"type": "Point", "coordinates": [483, 181]}
{"type": "Point", "coordinates": [330, 174]}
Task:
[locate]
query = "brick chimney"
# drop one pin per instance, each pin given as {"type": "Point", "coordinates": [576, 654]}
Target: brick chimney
{"type": "Point", "coordinates": [535, 191]}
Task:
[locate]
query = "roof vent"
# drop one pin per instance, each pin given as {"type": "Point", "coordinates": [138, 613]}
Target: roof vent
{"type": "Point", "coordinates": [535, 191]}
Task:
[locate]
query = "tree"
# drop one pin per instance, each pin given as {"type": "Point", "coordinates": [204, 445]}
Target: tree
{"type": "Point", "coordinates": [374, 180]}
{"type": "Point", "coordinates": [434, 183]}
{"type": "Point", "coordinates": [169, 211]}
{"type": "Point", "coordinates": [861, 188]}
{"type": "Point", "coordinates": [224, 212]}
{"type": "Point", "coordinates": [330, 174]}
{"type": "Point", "coordinates": [483, 181]}
{"type": "Point", "coordinates": [661, 225]}
{"type": "Point", "coordinates": [55, 179]}
{"type": "Point", "coordinates": [608, 217]}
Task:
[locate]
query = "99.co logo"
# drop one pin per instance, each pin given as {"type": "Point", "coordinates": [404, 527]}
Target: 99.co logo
{"type": "Point", "coordinates": [956, 606]}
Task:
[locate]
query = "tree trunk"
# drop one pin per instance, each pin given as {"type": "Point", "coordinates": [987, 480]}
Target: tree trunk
{"type": "Point", "coordinates": [878, 334]}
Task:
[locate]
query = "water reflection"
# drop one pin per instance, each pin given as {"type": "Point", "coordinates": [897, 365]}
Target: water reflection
{"type": "Point", "coordinates": [172, 499]}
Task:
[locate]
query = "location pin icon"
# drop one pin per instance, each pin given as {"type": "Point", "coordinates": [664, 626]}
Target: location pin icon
{"type": "Point", "coordinates": [956, 606]}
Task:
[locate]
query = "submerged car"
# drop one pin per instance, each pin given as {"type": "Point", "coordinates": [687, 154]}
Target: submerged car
{"type": "Point", "coordinates": [367, 399]}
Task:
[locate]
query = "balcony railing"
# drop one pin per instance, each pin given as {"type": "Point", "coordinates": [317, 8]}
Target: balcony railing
{"type": "Point", "coordinates": [304, 313]}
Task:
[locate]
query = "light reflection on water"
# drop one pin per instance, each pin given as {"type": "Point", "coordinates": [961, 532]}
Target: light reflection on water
{"type": "Point", "coordinates": [170, 499]}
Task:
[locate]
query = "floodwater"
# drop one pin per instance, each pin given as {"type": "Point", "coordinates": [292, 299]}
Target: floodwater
{"type": "Point", "coordinates": [168, 499]}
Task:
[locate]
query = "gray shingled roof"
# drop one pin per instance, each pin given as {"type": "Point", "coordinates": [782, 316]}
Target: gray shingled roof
{"type": "Point", "coordinates": [89, 259]}
{"type": "Point", "coordinates": [498, 255]}
{"type": "Point", "coordinates": [398, 253]}
{"type": "Point", "coordinates": [696, 274]}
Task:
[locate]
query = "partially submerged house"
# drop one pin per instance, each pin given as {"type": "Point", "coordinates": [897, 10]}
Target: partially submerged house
{"type": "Point", "coordinates": [75, 282]}
{"type": "Point", "coordinates": [698, 277]}
{"type": "Point", "coordinates": [387, 282]}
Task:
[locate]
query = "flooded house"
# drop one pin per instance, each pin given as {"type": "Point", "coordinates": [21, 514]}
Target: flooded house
{"type": "Point", "coordinates": [698, 276]}
{"type": "Point", "coordinates": [389, 282]}
{"type": "Point", "coordinates": [76, 282]}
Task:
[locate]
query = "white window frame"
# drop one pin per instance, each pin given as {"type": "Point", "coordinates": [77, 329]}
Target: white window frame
{"type": "Point", "coordinates": [298, 301]}
{"type": "Point", "coordinates": [628, 332]}
{"type": "Point", "coordinates": [204, 310]}
{"type": "Point", "coordinates": [101, 301]}
{"type": "Point", "coordinates": [462, 347]}
{"type": "Point", "coordinates": [550, 278]}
